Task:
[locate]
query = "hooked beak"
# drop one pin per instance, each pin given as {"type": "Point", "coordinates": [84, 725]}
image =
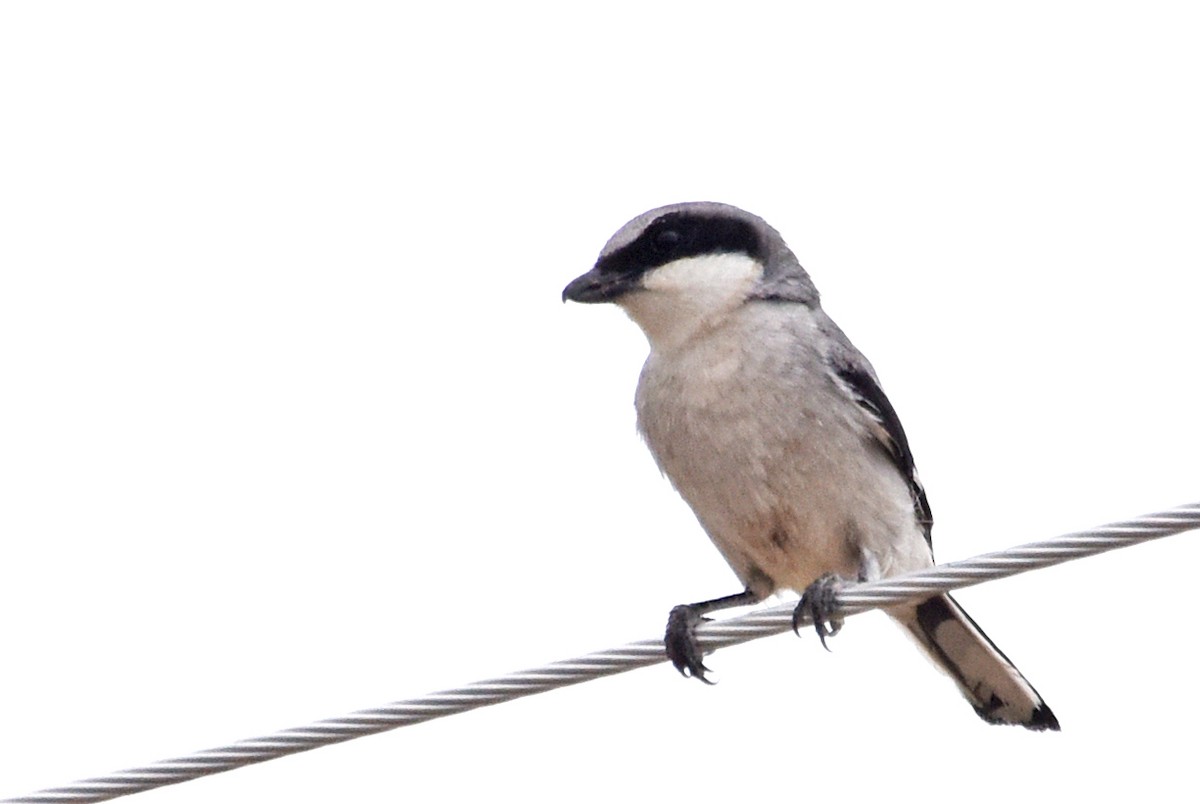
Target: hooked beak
{"type": "Point", "coordinates": [598, 286]}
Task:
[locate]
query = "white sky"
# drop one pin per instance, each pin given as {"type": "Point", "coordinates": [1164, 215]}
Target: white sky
{"type": "Point", "coordinates": [293, 423]}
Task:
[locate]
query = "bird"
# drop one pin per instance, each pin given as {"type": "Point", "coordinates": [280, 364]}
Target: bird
{"type": "Point", "coordinates": [775, 430]}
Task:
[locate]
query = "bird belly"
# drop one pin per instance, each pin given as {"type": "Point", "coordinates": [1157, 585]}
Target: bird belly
{"type": "Point", "coordinates": [781, 472]}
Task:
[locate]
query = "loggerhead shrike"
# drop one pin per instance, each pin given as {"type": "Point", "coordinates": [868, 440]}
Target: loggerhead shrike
{"type": "Point", "coordinates": [774, 429]}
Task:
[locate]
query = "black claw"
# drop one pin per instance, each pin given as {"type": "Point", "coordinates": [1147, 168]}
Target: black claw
{"type": "Point", "coordinates": [798, 617]}
{"type": "Point", "coordinates": [819, 602]}
{"type": "Point", "coordinates": [682, 648]}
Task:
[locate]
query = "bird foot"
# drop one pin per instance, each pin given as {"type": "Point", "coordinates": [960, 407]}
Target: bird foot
{"type": "Point", "coordinates": [682, 648]}
{"type": "Point", "coordinates": [820, 604]}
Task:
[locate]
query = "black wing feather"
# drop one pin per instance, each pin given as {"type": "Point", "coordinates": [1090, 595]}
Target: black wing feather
{"type": "Point", "coordinates": [861, 381]}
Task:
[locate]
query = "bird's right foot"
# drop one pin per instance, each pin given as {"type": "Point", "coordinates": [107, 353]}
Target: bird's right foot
{"type": "Point", "coordinates": [682, 648]}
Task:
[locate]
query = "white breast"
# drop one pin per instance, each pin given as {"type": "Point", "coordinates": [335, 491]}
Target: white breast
{"type": "Point", "coordinates": [777, 463]}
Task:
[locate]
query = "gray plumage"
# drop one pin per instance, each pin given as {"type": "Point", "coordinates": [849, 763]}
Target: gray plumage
{"type": "Point", "coordinates": [775, 430]}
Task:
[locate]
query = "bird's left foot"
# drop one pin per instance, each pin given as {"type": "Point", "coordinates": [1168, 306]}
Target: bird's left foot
{"type": "Point", "coordinates": [820, 604]}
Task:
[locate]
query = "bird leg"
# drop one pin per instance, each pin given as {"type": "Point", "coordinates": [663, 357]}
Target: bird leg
{"type": "Point", "coordinates": [680, 641]}
{"type": "Point", "coordinates": [820, 604]}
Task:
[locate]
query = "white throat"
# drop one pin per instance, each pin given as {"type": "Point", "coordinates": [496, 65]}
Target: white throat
{"type": "Point", "coordinates": [682, 298]}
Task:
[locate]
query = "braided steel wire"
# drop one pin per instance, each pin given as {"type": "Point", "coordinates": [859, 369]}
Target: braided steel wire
{"type": "Point", "coordinates": [854, 599]}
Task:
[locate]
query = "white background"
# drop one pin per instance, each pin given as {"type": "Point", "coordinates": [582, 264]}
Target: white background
{"type": "Point", "coordinates": [292, 421]}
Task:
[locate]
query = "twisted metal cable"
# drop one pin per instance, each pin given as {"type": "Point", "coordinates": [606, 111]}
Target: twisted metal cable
{"type": "Point", "coordinates": [855, 599]}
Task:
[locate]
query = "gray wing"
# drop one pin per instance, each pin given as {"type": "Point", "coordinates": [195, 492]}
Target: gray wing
{"type": "Point", "coordinates": [857, 376]}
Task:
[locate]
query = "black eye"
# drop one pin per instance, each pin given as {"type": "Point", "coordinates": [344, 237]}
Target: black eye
{"type": "Point", "coordinates": [666, 241]}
